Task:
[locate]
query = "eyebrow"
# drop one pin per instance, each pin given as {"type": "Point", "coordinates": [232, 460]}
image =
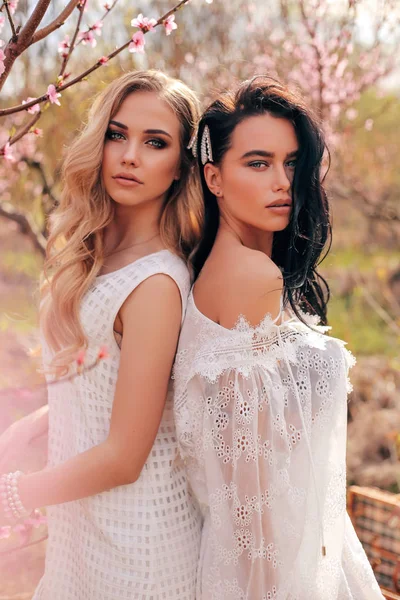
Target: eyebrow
{"type": "Point", "coordinates": [151, 131]}
{"type": "Point", "coordinates": [118, 124]}
{"type": "Point", "coordinates": [268, 154]}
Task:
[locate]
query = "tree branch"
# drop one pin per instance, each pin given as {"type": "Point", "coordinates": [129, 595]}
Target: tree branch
{"type": "Point", "coordinates": [17, 45]}
{"type": "Point", "coordinates": [28, 30]}
{"type": "Point", "coordinates": [47, 186]}
{"type": "Point", "coordinates": [72, 45]}
{"type": "Point", "coordinates": [97, 65]}
{"type": "Point", "coordinates": [374, 304]}
{"type": "Point", "coordinates": [56, 24]}
{"type": "Point", "coordinates": [20, 134]}
{"type": "Point", "coordinates": [26, 224]}
{"type": "Point", "coordinates": [10, 20]}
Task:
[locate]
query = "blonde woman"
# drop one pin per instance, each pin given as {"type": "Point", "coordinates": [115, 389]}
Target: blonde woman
{"type": "Point", "coordinates": [121, 521]}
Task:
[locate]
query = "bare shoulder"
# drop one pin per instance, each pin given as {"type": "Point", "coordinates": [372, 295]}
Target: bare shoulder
{"type": "Point", "coordinates": [250, 264]}
{"type": "Point", "coordinates": [253, 285]}
{"type": "Point", "coordinates": [156, 298]}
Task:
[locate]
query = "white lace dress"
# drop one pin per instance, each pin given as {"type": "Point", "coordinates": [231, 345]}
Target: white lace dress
{"type": "Point", "coordinates": [261, 421]}
{"type": "Point", "coordinates": [138, 541]}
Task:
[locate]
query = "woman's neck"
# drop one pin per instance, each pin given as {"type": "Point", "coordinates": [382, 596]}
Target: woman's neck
{"type": "Point", "coordinates": [132, 227]}
{"type": "Point", "coordinates": [248, 236]}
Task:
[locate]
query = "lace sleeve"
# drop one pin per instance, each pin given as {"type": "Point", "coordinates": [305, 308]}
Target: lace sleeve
{"type": "Point", "coordinates": [261, 416]}
{"type": "Point", "coordinates": [246, 446]}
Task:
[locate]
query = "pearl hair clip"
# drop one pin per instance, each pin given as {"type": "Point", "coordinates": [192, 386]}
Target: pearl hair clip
{"type": "Point", "coordinates": [205, 146]}
{"type": "Point", "coordinates": [192, 145]}
{"type": "Point", "coordinates": [206, 150]}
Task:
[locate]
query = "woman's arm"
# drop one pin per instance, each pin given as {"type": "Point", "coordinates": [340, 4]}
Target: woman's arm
{"type": "Point", "coordinates": [151, 319]}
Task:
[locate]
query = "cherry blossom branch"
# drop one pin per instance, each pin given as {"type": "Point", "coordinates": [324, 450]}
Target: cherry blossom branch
{"type": "Point", "coordinates": [72, 45]}
{"type": "Point", "coordinates": [20, 134]}
{"type": "Point", "coordinates": [97, 65]}
{"type": "Point", "coordinates": [17, 45]}
{"type": "Point", "coordinates": [47, 188]}
{"type": "Point", "coordinates": [27, 32]}
{"type": "Point", "coordinates": [312, 33]}
{"type": "Point", "coordinates": [10, 20]}
{"type": "Point", "coordinates": [107, 12]}
{"type": "Point", "coordinates": [81, 370]}
{"type": "Point", "coordinates": [370, 210]}
{"type": "Point", "coordinates": [26, 224]}
{"type": "Point", "coordinates": [56, 24]}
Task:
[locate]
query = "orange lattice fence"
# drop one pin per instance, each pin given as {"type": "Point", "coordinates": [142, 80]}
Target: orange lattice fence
{"type": "Point", "coordinates": [376, 517]}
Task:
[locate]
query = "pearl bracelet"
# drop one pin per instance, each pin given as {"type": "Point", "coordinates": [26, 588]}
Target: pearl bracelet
{"type": "Point", "coordinates": [12, 505]}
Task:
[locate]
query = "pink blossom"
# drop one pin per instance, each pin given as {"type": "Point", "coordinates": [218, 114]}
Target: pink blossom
{"type": "Point", "coordinates": [335, 110]}
{"type": "Point", "coordinates": [2, 21]}
{"type": "Point", "coordinates": [103, 353]}
{"type": "Point", "coordinates": [340, 69]}
{"type": "Point", "coordinates": [32, 109]}
{"type": "Point", "coordinates": [87, 37]}
{"type": "Point", "coordinates": [103, 60]}
{"type": "Point", "coordinates": [80, 359]}
{"type": "Point", "coordinates": [8, 153]}
{"type": "Point", "coordinates": [53, 95]}
{"type": "Point", "coordinates": [97, 27]}
{"type": "Point", "coordinates": [143, 23]}
{"type": "Point", "coordinates": [12, 5]}
{"type": "Point", "coordinates": [63, 47]}
{"type": "Point", "coordinates": [170, 24]}
{"type": "Point", "coordinates": [137, 43]}
{"type": "Point", "coordinates": [369, 123]}
{"type": "Point", "coordinates": [36, 519]}
{"type": "Point", "coordinates": [351, 114]}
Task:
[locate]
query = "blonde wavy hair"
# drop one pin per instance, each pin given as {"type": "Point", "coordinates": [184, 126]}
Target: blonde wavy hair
{"type": "Point", "coordinates": [75, 249]}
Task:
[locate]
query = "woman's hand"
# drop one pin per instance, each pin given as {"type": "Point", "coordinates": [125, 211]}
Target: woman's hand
{"type": "Point", "coordinates": [16, 440]}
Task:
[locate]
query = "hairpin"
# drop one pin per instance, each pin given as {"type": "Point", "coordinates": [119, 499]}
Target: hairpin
{"type": "Point", "coordinates": [192, 145]}
{"type": "Point", "coordinates": [206, 149]}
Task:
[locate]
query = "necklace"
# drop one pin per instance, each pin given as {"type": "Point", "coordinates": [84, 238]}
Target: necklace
{"type": "Point", "coordinates": [133, 245]}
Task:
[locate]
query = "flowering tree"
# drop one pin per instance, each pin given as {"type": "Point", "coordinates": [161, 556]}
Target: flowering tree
{"type": "Point", "coordinates": [334, 52]}
{"type": "Point", "coordinates": [317, 45]}
{"type": "Point", "coordinates": [19, 121]}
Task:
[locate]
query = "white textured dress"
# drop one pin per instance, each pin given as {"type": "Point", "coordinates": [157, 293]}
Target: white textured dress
{"type": "Point", "coordinates": [138, 541]}
{"type": "Point", "coordinates": [261, 417]}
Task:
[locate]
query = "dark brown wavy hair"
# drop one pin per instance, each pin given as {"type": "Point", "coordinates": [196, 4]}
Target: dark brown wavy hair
{"type": "Point", "coordinates": [299, 248]}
